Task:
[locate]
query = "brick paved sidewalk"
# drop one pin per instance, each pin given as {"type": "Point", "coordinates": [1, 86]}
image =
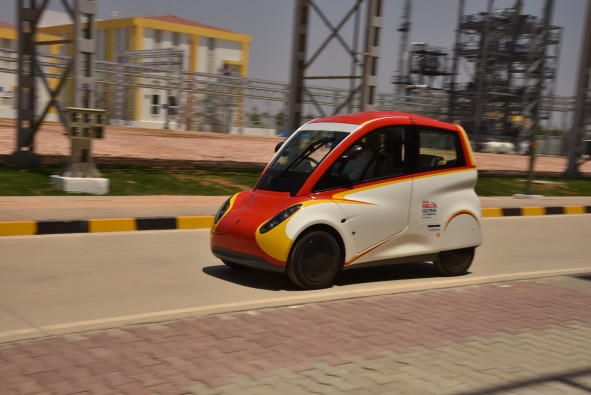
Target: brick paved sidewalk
{"type": "Point", "coordinates": [521, 337]}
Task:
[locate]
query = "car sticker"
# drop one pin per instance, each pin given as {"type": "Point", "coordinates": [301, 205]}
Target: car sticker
{"type": "Point", "coordinates": [429, 209]}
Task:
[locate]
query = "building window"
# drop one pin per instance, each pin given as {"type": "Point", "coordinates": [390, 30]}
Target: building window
{"type": "Point", "coordinates": [101, 45]}
{"type": "Point", "coordinates": [211, 42]}
{"type": "Point", "coordinates": [155, 106]}
{"type": "Point", "coordinates": [121, 40]}
{"type": "Point", "coordinates": [176, 39]}
{"type": "Point", "coordinates": [5, 44]}
{"type": "Point", "coordinates": [157, 38]}
{"type": "Point", "coordinates": [172, 106]}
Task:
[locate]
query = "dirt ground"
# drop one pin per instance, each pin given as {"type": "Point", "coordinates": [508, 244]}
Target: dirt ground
{"type": "Point", "coordinates": [176, 147]}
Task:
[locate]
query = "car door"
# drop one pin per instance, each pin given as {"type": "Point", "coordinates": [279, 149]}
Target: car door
{"type": "Point", "coordinates": [440, 182]}
{"type": "Point", "coordinates": [377, 203]}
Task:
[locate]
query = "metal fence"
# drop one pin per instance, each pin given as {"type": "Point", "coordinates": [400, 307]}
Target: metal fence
{"type": "Point", "coordinates": [227, 103]}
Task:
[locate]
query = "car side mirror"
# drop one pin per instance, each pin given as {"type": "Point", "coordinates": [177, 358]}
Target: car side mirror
{"type": "Point", "coordinates": [278, 146]}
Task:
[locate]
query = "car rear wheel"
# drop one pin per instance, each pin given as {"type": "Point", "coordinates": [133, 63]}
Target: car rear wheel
{"type": "Point", "coordinates": [454, 262]}
{"type": "Point", "coordinates": [315, 260]}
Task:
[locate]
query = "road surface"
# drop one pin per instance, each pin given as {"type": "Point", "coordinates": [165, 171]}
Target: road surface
{"type": "Point", "coordinates": [64, 283]}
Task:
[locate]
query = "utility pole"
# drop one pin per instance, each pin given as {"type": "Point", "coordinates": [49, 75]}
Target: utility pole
{"type": "Point", "coordinates": [81, 163]}
{"type": "Point", "coordinates": [537, 69]}
{"type": "Point", "coordinates": [481, 75]}
{"type": "Point", "coordinates": [581, 98]}
{"type": "Point", "coordinates": [452, 88]}
{"type": "Point", "coordinates": [369, 81]}
{"type": "Point", "coordinates": [402, 76]}
{"type": "Point", "coordinates": [298, 64]}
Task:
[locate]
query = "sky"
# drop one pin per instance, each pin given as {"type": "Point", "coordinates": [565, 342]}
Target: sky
{"type": "Point", "coordinates": [270, 25]}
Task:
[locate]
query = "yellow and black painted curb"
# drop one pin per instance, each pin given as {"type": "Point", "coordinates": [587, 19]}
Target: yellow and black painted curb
{"type": "Point", "coordinates": [27, 228]}
{"type": "Point", "coordinates": [489, 212]}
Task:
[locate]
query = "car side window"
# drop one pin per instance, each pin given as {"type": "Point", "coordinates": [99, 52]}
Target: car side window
{"type": "Point", "coordinates": [380, 154]}
{"type": "Point", "coordinates": [439, 149]}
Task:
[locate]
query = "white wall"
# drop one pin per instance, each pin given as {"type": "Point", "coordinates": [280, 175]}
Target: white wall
{"type": "Point", "coordinates": [254, 132]}
{"type": "Point", "coordinates": [211, 61]}
{"type": "Point", "coordinates": [7, 80]}
{"type": "Point", "coordinates": [227, 50]}
{"type": "Point", "coordinates": [167, 40]}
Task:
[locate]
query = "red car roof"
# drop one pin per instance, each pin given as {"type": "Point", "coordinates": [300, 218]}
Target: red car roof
{"type": "Point", "coordinates": [359, 118]}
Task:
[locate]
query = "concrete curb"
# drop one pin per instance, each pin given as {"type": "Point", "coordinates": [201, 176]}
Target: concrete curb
{"type": "Point", "coordinates": [97, 225]}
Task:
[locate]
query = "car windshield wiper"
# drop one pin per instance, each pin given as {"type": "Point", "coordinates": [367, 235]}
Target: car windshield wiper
{"type": "Point", "coordinates": [310, 149]}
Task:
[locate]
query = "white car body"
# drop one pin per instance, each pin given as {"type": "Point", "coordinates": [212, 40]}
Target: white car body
{"type": "Point", "coordinates": [411, 199]}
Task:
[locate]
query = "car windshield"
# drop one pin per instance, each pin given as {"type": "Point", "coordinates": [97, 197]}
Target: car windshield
{"type": "Point", "coordinates": [298, 158]}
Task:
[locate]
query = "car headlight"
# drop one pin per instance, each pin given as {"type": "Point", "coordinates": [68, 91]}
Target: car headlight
{"type": "Point", "coordinates": [222, 211]}
{"type": "Point", "coordinates": [279, 218]}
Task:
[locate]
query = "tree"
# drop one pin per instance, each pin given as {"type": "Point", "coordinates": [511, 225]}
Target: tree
{"type": "Point", "coordinates": [255, 118]}
{"type": "Point", "coordinates": [279, 120]}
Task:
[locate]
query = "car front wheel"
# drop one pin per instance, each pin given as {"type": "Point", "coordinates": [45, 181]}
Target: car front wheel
{"type": "Point", "coordinates": [315, 260]}
{"type": "Point", "coordinates": [454, 262]}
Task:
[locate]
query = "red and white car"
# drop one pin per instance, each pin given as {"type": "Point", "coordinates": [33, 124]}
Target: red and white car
{"type": "Point", "coordinates": [355, 190]}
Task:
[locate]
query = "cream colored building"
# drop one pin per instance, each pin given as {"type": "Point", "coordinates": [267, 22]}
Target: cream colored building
{"type": "Point", "coordinates": [206, 49]}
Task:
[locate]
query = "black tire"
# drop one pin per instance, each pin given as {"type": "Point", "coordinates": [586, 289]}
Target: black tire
{"type": "Point", "coordinates": [232, 264]}
{"type": "Point", "coordinates": [314, 260]}
{"type": "Point", "coordinates": [454, 262]}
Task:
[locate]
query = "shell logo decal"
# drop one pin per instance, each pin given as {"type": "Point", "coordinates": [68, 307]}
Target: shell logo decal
{"type": "Point", "coordinates": [429, 209]}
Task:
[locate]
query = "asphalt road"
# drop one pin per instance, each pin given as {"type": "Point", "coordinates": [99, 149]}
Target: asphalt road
{"type": "Point", "coordinates": [64, 283]}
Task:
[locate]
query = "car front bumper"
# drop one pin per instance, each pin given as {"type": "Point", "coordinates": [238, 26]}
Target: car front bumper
{"type": "Point", "coordinates": [246, 260]}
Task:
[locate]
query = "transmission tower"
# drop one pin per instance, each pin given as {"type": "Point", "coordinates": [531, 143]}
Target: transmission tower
{"type": "Point", "coordinates": [363, 80]}
{"type": "Point", "coordinates": [85, 125]}
{"type": "Point", "coordinates": [510, 60]}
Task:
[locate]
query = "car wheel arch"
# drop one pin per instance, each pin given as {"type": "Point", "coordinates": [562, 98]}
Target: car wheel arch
{"type": "Point", "coordinates": [324, 228]}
